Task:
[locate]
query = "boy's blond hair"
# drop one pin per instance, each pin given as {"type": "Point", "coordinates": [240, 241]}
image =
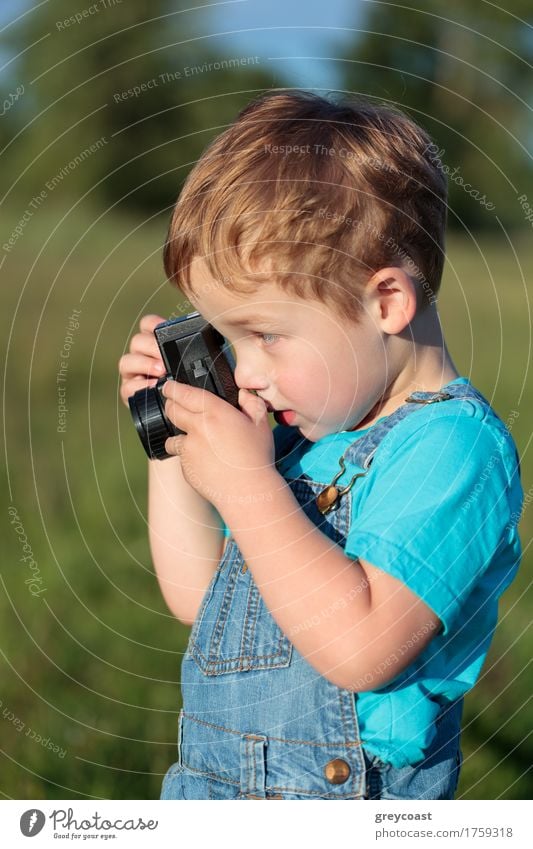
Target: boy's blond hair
{"type": "Point", "coordinates": [315, 196]}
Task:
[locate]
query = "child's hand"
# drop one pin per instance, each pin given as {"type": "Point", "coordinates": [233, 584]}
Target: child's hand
{"type": "Point", "coordinates": [226, 454]}
{"type": "Point", "coordinates": [143, 366]}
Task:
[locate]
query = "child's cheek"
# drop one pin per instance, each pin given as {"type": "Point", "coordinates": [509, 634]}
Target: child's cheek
{"type": "Point", "coordinates": [297, 387]}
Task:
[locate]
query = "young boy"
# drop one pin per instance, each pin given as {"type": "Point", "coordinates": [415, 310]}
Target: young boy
{"type": "Point", "coordinates": [349, 601]}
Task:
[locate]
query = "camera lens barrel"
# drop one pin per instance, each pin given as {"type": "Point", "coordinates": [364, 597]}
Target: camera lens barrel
{"type": "Point", "coordinates": [147, 408]}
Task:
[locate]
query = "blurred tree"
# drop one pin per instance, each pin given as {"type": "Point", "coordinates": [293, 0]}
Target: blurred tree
{"type": "Point", "coordinates": [462, 72]}
{"type": "Point", "coordinates": [138, 81]}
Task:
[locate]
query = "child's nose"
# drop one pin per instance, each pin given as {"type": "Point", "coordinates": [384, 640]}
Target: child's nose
{"type": "Point", "coordinates": [249, 373]}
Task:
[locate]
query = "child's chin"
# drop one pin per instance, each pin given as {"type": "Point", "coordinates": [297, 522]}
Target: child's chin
{"type": "Point", "coordinates": [313, 432]}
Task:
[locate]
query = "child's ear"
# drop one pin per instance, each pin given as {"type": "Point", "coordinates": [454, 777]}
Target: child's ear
{"type": "Point", "coordinates": [394, 296]}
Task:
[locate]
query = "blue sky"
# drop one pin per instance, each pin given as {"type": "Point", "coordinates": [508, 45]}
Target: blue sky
{"type": "Point", "coordinates": [293, 37]}
{"type": "Point", "coordinates": [308, 30]}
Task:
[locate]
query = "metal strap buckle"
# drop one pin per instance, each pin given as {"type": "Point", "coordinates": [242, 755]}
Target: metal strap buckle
{"type": "Point", "coordinates": [438, 396]}
{"type": "Point", "coordinates": [329, 498]}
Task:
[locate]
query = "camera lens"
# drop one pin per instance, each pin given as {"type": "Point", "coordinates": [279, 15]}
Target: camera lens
{"type": "Point", "coordinates": [147, 408]}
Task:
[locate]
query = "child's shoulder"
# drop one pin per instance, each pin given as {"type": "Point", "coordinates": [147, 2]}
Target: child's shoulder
{"type": "Point", "coordinates": [463, 429]}
{"type": "Point", "coordinates": [455, 457]}
{"type": "Point", "coordinates": [462, 433]}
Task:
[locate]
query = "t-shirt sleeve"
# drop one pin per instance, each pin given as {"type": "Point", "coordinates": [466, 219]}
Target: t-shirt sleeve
{"type": "Point", "coordinates": [438, 510]}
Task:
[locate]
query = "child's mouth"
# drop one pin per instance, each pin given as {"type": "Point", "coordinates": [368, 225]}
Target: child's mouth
{"type": "Point", "coordinates": [285, 417]}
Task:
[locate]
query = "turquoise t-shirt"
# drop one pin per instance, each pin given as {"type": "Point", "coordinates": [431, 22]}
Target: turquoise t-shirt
{"type": "Point", "coordinates": [438, 511]}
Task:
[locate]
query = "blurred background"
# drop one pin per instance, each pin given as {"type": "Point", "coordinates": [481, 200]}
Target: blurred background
{"type": "Point", "coordinates": [104, 108]}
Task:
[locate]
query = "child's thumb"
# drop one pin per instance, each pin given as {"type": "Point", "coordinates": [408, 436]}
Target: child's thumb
{"type": "Point", "coordinates": [253, 406]}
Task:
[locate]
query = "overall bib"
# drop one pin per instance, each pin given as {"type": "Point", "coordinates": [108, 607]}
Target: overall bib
{"type": "Point", "coordinates": [258, 722]}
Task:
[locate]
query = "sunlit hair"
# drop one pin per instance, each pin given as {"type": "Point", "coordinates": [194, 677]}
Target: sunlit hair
{"type": "Point", "coordinates": [316, 196]}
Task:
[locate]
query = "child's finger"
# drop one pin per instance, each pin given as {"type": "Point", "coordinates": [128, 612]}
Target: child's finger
{"type": "Point", "coordinates": [148, 323]}
{"type": "Point", "coordinates": [130, 387]}
{"type": "Point", "coordinates": [190, 398]}
{"type": "Point", "coordinates": [253, 406]}
{"type": "Point", "coordinates": [134, 365]}
{"type": "Point", "coordinates": [175, 445]}
{"type": "Point", "coordinates": [145, 343]}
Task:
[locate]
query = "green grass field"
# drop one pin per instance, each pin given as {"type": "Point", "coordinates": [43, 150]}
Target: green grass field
{"type": "Point", "coordinates": [90, 656]}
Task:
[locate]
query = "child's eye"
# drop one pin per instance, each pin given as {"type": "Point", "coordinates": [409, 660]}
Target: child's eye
{"type": "Point", "coordinates": [268, 338]}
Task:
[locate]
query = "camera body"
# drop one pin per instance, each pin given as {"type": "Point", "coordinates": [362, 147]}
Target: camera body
{"type": "Point", "coordinates": [193, 352]}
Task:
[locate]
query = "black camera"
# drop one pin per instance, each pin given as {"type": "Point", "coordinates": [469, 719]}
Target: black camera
{"type": "Point", "coordinates": [195, 353]}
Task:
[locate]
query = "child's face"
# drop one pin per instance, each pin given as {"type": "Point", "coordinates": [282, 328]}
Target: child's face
{"type": "Point", "coordinates": [319, 372]}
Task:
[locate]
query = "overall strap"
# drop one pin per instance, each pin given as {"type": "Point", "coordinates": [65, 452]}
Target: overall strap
{"type": "Point", "coordinates": [361, 452]}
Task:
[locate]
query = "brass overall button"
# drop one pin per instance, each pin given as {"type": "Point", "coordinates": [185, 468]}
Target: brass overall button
{"type": "Point", "coordinates": [337, 771]}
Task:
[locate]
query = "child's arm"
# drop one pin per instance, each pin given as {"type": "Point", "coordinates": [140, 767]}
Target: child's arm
{"type": "Point", "coordinates": [186, 539]}
{"type": "Point", "coordinates": [360, 615]}
{"type": "Point", "coordinates": [354, 623]}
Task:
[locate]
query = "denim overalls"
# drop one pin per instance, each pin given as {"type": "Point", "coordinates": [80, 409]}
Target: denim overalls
{"type": "Point", "coordinates": [258, 722]}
